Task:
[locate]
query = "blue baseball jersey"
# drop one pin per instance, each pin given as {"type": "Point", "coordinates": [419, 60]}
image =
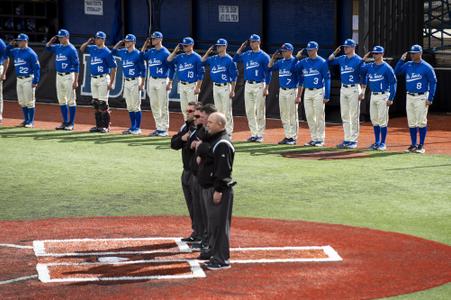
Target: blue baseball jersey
{"type": "Point", "coordinates": [350, 69]}
{"type": "Point", "coordinates": [288, 77]}
{"type": "Point", "coordinates": [314, 74]}
{"type": "Point", "coordinates": [26, 62]}
{"type": "Point", "coordinates": [255, 65]}
{"type": "Point", "coordinates": [189, 67]}
{"type": "Point", "coordinates": [420, 77]}
{"type": "Point", "coordinates": [66, 59]}
{"type": "Point", "coordinates": [157, 64]}
{"type": "Point", "coordinates": [132, 62]}
{"type": "Point", "coordinates": [3, 54]}
{"type": "Point", "coordinates": [222, 68]}
{"type": "Point", "coordinates": [102, 60]}
{"type": "Point", "coordinates": [380, 78]}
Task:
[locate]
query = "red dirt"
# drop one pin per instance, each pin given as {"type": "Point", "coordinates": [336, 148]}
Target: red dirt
{"type": "Point", "coordinates": [375, 263]}
{"type": "Point", "coordinates": [438, 140]}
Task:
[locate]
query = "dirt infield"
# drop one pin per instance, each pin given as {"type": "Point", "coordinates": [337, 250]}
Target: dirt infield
{"type": "Point", "coordinates": [438, 140]}
{"type": "Point", "coordinates": [374, 263]}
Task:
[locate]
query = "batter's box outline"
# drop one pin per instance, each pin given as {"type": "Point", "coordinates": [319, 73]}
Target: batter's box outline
{"type": "Point", "coordinates": [196, 271]}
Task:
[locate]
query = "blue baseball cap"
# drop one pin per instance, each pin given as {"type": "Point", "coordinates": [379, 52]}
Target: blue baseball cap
{"type": "Point", "coordinates": [188, 41]}
{"type": "Point", "coordinates": [130, 38]}
{"type": "Point", "coordinates": [416, 49]}
{"type": "Point", "coordinates": [254, 38]}
{"type": "Point", "coordinates": [287, 47]}
{"type": "Point", "coordinates": [22, 37]}
{"type": "Point", "coordinates": [62, 33]}
{"type": "Point", "coordinates": [312, 45]}
{"type": "Point", "coordinates": [378, 50]}
{"type": "Point", "coordinates": [101, 35]}
{"type": "Point", "coordinates": [157, 35]}
{"type": "Point", "coordinates": [349, 43]}
{"type": "Point", "coordinates": [221, 42]}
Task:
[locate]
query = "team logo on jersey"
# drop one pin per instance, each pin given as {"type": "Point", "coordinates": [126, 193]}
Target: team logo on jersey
{"type": "Point", "coordinates": [96, 60]}
{"type": "Point", "coordinates": [128, 63]}
{"type": "Point", "coordinates": [252, 64]}
{"type": "Point", "coordinates": [413, 77]}
{"type": "Point", "coordinates": [285, 73]}
{"type": "Point", "coordinates": [347, 69]}
{"type": "Point", "coordinates": [376, 77]}
{"type": "Point", "coordinates": [61, 57]}
{"type": "Point", "coordinates": [19, 62]}
{"type": "Point", "coordinates": [218, 69]}
{"type": "Point", "coordinates": [310, 72]}
{"type": "Point", "coordinates": [154, 62]}
{"type": "Point", "coordinates": [185, 66]}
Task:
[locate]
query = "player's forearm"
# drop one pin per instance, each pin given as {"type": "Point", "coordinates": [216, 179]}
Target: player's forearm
{"type": "Point", "coordinates": [5, 65]}
{"type": "Point", "coordinates": [172, 56]}
{"type": "Point", "coordinates": [113, 75]}
{"type": "Point", "coordinates": [76, 75]}
{"type": "Point", "coordinates": [83, 47]}
{"type": "Point", "coordinates": [300, 90]}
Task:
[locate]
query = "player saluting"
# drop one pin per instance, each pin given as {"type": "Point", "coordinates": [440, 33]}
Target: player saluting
{"type": "Point", "coordinates": [314, 77]}
{"type": "Point", "coordinates": [4, 64]}
{"type": "Point", "coordinates": [27, 68]}
{"type": "Point", "coordinates": [103, 73]}
{"type": "Point", "coordinates": [159, 81]}
{"type": "Point", "coordinates": [223, 73]}
{"type": "Point", "coordinates": [288, 81]}
{"type": "Point", "coordinates": [421, 83]}
{"type": "Point", "coordinates": [134, 72]}
{"type": "Point", "coordinates": [67, 67]}
{"type": "Point", "coordinates": [350, 92]}
{"type": "Point", "coordinates": [382, 82]}
{"type": "Point", "coordinates": [190, 72]}
{"type": "Point", "coordinates": [257, 76]}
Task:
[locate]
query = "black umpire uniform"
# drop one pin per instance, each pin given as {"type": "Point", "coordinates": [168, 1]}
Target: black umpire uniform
{"type": "Point", "coordinates": [178, 143]}
{"type": "Point", "coordinates": [215, 174]}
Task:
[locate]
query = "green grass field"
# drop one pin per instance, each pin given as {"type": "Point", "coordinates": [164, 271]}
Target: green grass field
{"type": "Point", "coordinates": [59, 174]}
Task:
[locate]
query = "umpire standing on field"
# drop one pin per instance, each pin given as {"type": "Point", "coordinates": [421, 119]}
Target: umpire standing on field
{"type": "Point", "coordinates": [215, 159]}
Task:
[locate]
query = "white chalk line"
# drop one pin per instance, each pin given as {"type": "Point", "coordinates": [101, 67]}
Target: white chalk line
{"type": "Point", "coordinates": [23, 278]}
{"type": "Point", "coordinates": [16, 246]}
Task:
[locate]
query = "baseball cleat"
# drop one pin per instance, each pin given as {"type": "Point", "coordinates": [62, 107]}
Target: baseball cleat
{"type": "Point", "coordinates": [69, 127]}
{"type": "Point", "coordinates": [154, 133]}
{"type": "Point", "coordinates": [162, 133]}
{"type": "Point", "coordinates": [61, 127]}
{"type": "Point", "coordinates": [128, 131]}
{"type": "Point", "coordinates": [343, 145]}
{"type": "Point", "coordinates": [94, 129]}
{"type": "Point", "coordinates": [29, 125]}
{"type": "Point", "coordinates": [259, 139]}
{"type": "Point", "coordinates": [373, 146]}
{"type": "Point", "coordinates": [420, 149]}
{"type": "Point", "coordinates": [412, 149]}
{"type": "Point", "coordinates": [104, 130]}
{"type": "Point", "coordinates": [319, 144]}
{"type": "Point", "coordinates": [21, 124]}
{"type": "Point", "coordinates": [136, 131]}
{"type": "Point", "coordinates": [283, 142]}
{"type": "Point", "coordinates": [310, 144]}
{"type": "Point", "coordinates": [290, 141]}
{"type": "Point", "coordinates": [191, 239]}
{"type": "Point", "coordinates": [251, 139]}
{"type": "Point", "coordinates": [351, 145]}
{"type": "Point", "coordinates": [214, 266]}
{"type": "Point", "coordinates": [382, 147]}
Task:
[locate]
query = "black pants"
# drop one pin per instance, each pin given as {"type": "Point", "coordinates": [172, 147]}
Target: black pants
{"type": "Point", "coordinates": [219, 223]}
{"type": "Point", "coordinates": [186, 187]}
{"type": "Point", "coordinates": [198, 215]}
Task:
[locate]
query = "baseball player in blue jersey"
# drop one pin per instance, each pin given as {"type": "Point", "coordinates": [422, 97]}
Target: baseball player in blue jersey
{"type": "Point", "coordinates": [223, 73]}
{"type": "Point", "coordinates": [190, 72]}
{"type": "Point", "coordinates": [159, 81]}
{"type": "Point", "coordinates": [381, 80]}
{"type": "Point", "coordinates": [4, 64]}
{"type": "Point", "coordinates": [257, 76]}
{"type": "Point", "coordinates": [103, 73]}
{"type": "Point", "coordinates": [67, 67]}
{"type": "Point", "coordinates": [134, 73]}
{"type": "Point", "coordinates": [314, 78]}
{"type": "Point", "coordinates": [421, 84]}
{"type": "Point", "coordinates": [350, 93]}
{"type": "Point", "coordinates": [288, 82]}
{"type": "Point", "coordinates": [27, 68]}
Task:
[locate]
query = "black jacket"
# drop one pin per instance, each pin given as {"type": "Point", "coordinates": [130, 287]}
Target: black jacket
{"type": "Point", "coordinates": [200, 134]}
{"type": "Point", "coordinates": [217, 154]}
{"type": "Point", "coordinates": [177, 143]}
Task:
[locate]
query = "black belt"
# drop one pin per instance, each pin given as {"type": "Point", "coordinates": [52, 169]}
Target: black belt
{"type": "Point", "coordinates": [416, 94]}
{"type": "Point", "coordinates": [98, 76]}
{"type": "Point", "coordinates": [378, 93]}
{"type": "Point", "coordinates": [314, 89]}
{"type": "Point", "coordinates": [130, 78]}
{"type": "Point", "coordinates": [220, 84]}
{"type": "Point", "coordinates": [185, 83]}
{"type": "Point", "coordinates": [253, 82]}
{"type": "Point", "coordinates": [285, 89]}
{"type": "Point", "coordinates": [62, 74]}
{"type": "Point", "coordinates": [349, 85]}
{"type": "Point", "coordinates": [23, 77]}
{"type": "Point", "coordinates": [157, 77]}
